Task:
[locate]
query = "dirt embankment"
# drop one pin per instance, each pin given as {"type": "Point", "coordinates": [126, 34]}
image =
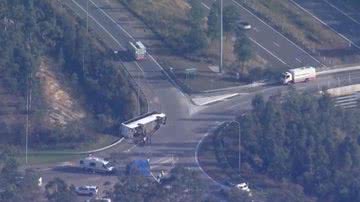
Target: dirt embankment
{"type": "Point", "coordinates": [62, 106]}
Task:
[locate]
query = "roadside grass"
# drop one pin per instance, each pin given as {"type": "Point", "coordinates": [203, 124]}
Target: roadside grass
{"type": "Point", "coordinates": [168, 21]}
{"type": "Point", "coordinates": [297, 25]}
{"type": "Point", "coordinates": [38, 159]}
{"type": "Point", "coordinates": [59, 155]}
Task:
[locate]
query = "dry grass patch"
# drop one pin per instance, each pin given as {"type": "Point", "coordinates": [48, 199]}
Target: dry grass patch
{"type": "Point", "coordinates": [62, 107]}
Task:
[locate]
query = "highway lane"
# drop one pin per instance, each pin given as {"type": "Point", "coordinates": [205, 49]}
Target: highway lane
{"type": "Point", "coordinates": [345, 8]}
{"type": "Point", "coordinates": [273, 42]}
{"type": "Point", "coordinates": [168, 143]}
{"type": "Point", "coordinates": [177, 141]}
{"type": "Point", "coordinates": [332, 17]}
{"type": "Point", "coordinates": [273, 61]}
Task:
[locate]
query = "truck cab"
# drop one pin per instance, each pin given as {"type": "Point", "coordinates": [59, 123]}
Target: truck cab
{"type": "Point", "coordinates": [286, 78]}
{"type": "Point", "coordinates": [297, 75]}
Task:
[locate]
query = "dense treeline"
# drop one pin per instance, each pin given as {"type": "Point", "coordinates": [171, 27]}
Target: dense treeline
{"type": "Point", "coordinates": [31, 29]}
{"type": "Point", "coordinates": [306, 140]}
{"type": "Point", "coordinates": [16, 185]}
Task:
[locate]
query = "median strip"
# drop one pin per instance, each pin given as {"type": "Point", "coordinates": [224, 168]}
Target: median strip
{"type": "Point", "coordinates": [201, 101]}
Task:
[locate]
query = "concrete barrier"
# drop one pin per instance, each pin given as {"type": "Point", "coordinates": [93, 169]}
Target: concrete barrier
{"type": "Point", "coordinates": [344, 90]}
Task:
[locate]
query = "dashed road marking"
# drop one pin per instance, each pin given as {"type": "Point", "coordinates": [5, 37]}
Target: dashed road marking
{"type": "Point", "coordinates": [272, 54]}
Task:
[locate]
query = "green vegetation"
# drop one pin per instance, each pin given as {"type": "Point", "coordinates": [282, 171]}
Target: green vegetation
{"type": "Point", "coordinates": [178, 26]}
{"type": "Point", "coordinates": [302, 139]}
{"type": "Point", "coordinates": [32, 29]}
{"type": "Point", "coordinates": [16, 186]}
{"type": "Point", "coordinates": [58, 191]}
{"type": "Point", "coordinates": [243, 52]}
{"type": "Point", "coordinates": [296, 24]}
{"type": "Point", "coordinates": [182, 185]}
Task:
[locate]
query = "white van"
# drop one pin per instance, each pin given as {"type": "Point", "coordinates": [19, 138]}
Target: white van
{"type": "Point", "coordinates": [96, 164]}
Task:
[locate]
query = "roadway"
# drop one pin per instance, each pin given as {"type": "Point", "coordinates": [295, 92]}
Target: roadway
{"type": "Point", "coordinates": [177, 141]}
{"type": "Point", "coordinates": [269, 42]}
{"type": "Point", "coordinates": [334, 15]}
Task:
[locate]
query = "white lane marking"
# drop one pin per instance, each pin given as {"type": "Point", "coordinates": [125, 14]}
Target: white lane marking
{"type": "Point", "coordinates": [131, 148]}
{"type": "Point", "coordinates": [343, 12]}
{"type": "Point", "coordinates": [119, 26]}
{"type": "Point", "coordinates": [127, 33]}
{"type": "Point", "coordinates": [297, 59]}
{"type": "Point", "coordinates": [97, 22]}
{"type": "Point", "coordinates": [207, 101]}
{"type": "Point", "coordinates": [197, 159]}
{"type": "Point", "coordinates": [276, 44]}
{"type": "Point", "coordinates": [206, 6]}
{"type": "Point", "coordinates": [272, 54]}
{"type": "Point", "coordinates": [325, 24]}
{"type": "Point", "coordinates": [239, 5]}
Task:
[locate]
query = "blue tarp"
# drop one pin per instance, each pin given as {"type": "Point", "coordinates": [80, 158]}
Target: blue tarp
{"type": "Point", "coordinates": [141, 167]}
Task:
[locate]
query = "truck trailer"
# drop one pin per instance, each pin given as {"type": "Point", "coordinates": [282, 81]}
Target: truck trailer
{"type": "Point", "coordinates": [139, 128]}
{"type": "Point", "coordinates": [137, 50]}
{"type": "Point", "coordinates": [302, 74]}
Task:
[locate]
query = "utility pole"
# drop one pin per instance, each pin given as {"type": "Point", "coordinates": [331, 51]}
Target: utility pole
{"type": "Point", "coordinates": [221, 37]}
{"type": "Point", "coordinates": [87, 16]}
{"type": "Point", "coordinates": [239, 148]}
{"type": "Point", "coordinates": [28, 104]}
{"type": "Point", "coordinates": [27, 124]}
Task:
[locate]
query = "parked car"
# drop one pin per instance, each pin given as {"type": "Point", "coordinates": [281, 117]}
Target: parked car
{"type": "Point", "coordinates": [87, 190]}
{"type": "Point", "coordinates": [244, 25]}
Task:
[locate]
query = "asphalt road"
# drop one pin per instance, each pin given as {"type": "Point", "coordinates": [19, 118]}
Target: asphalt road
{"type": "Point", "coordinates": [333, 15]}
{"type": "Point", "coordinates": [271, 44]}
{"type": "Point", "coordinates": [176, 142]}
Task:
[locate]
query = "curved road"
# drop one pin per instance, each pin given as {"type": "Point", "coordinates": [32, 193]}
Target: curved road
{"type": "Point", "coordinates": [177, 141]}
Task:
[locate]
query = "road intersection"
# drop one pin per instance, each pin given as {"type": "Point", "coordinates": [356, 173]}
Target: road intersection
{"type": "Point", "coordinates": [177, 142]}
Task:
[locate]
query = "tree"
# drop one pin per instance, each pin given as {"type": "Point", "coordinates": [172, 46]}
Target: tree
{"type": "Point", "coordinates": [242, 48]}
{"type": "Point", "coordinates": [196, 39]}
{"type": "Point", "coordinates": [58, 191]}
{"type": "Point", "coordinates": [197, 13]}
{"type": "Point", "coordinates": [132, 188]}
{"type": "Point", "coordinates": [306, 140]}
{"type": "Point", "coordinates": [14, 185]}
{"type": "Point", "coordinates": [213, 22]}
{"type": "Point", "coordinates": [231, 17]}
{"type": "Point", "coordinates": [180, 185]}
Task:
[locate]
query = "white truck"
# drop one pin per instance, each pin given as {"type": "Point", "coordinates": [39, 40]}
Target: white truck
{"type": "Point", "coordinates": [137, 50]}
{"type": "Point", "coordinates": [140, 128]}
{"type": "Point", "coordinates": [302, 74]}
{"type": "Point", "coordinates": [95, 164]}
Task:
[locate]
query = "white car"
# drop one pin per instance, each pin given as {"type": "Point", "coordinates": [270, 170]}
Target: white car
{"type": "Point", "coordinates": [243, 186]}
{"type": "Point", "coordinates": [99, 200]}
{"type": "Point", "coordinates": [87, 190]}
{"type": "Point", "coordinates": [244, 25]}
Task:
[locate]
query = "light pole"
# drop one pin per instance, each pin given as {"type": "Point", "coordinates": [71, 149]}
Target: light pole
{"type": "Point", "coordinates": [87, 16]}
{"type": "Point", "coordinates": [221, 36]}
